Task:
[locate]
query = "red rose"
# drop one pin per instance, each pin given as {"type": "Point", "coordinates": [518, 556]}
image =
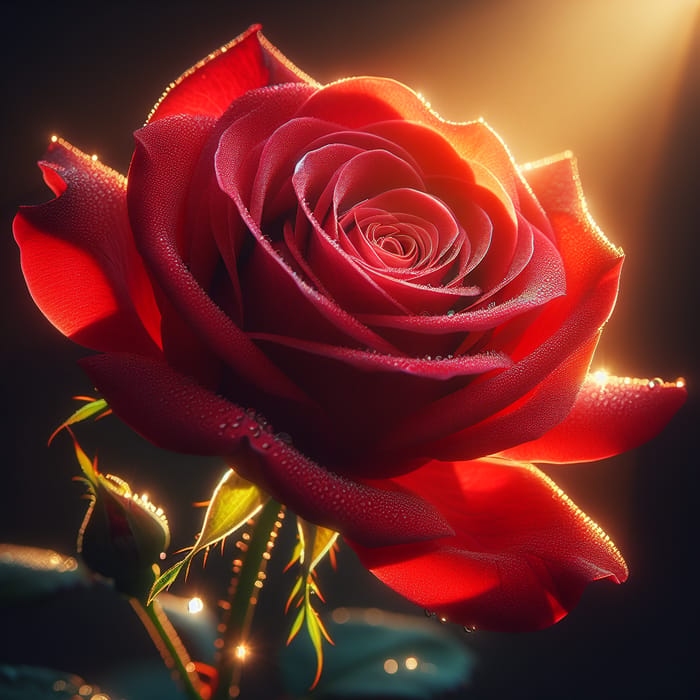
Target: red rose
{"type": "Point", "coordinates": [388, 289]}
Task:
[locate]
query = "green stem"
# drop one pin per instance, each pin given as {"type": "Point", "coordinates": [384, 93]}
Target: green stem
{"type": "Point", "coordinates": [169, 645]}
{"type": "Point", "coordinates": [242, 601]}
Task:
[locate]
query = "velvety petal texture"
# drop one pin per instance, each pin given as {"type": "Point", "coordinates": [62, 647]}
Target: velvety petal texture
{"type": "Point", "coordinates": [414, 313]}
{"type": "Point", "coordinates": [521, 556]}
{"type": "Point", "coordinates": [79, 258]}
{"type": "Point", "coordinates": [610, 415]}
{"type": "Point", "coordinates": [176, 413]}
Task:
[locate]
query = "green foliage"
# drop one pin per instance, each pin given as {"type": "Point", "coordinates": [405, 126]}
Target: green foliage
{"type": "Point", "coordinates": [381, 654]}
{"type": "Point", "coordinates": [232, 504]}
{"type": "Point", "coordinates": [92, 407]}
{"type": "Point", "coordinates": [315, 542]}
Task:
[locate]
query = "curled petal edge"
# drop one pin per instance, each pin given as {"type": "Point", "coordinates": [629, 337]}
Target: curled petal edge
{"type": "Point", "coordinates": [176, 413]}
{"type": "Point", "coordinates": [521, 557]}
{"type": "Point", "coordinates": [610, 415]}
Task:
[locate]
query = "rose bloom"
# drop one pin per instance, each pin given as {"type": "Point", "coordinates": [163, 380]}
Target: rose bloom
{"type": "Point", "coordinates": [412, 312]}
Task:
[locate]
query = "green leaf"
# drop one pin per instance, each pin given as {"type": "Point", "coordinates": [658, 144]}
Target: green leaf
{"type": "Point", "coordinates": [165, 580]}
{"type": "Point", "coordinates": [312, 625]}
{"type": "Point", "coordinates": [316, 542]}
{"type": "Point", "coordinates": [93, 407]}
{"type": "Point", "coordinates": [86, 464]}
{"type": "Point", "coordinates": [232, 504]}
{"type": "Point", "coordinates": [293, 594]}
{"type": "Point", "coordinates": [30, 572]}
{"type": "Point", "coordinates": [296, 625]}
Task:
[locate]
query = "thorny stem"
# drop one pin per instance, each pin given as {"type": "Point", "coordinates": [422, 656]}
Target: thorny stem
{"type": "Point", "coordinates": [169, 645]}
{"type": "Point", "coordinates": [243, 597]}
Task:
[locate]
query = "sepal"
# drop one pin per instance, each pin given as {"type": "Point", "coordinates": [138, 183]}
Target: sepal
{"type": "Point", "coordinates": [122, 534]}
{"type": "Point", "coordinates": [234, 501]}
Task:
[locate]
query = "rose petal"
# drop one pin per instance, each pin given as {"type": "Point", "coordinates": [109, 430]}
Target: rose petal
{"type": "Point", "coordinates": [210, 86]}
{"type": "Point", "coordinates": [541, 281]}
{"type": "Point", "coordinates": [165, 159]}
{"type": "Point", "coordinates": [176, 413]}
{"type": "Point", "coordinates": [521, 556]}
{"type": "Point", "coordinates": [534, 414]}
{"type": "Point", "coordinates": [269, 276]}
{"type": "Point", "coordinates": [592, 267]}
{"type": "Point", "coordinates": [359, 102]}
{"type": "Point", "coordinates": [434, 155]}
{"type": "Point", "coordinates": [587, 251]}
{"type": "Point", "coordinates": [348, 283]}
{"type": "Point", "coordinates": [443, 368]}
{"type": "Point", "coordinates": [611, 415]}
{"type": "Point", "coordinates": [79, 259]}
{"type": "Point", "coordinates": [487, 397]}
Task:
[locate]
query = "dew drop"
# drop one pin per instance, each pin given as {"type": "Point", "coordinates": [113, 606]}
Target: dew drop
{"type": "Point", "coordinates": [451, 313]}
{"type": "Point", "coordinates": [656, 381]}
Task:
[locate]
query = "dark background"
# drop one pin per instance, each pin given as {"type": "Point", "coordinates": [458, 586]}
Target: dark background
{"type": "Point", "coordinates": [616, 82]}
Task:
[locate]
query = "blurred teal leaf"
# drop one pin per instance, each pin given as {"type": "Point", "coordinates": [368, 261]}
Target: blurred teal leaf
{"type": "Point", "coordinates": [380, 654]}
{"type": "Point", "coordinates": [34, 683]}
{"type": "Point", "coordinates": [30, 572]}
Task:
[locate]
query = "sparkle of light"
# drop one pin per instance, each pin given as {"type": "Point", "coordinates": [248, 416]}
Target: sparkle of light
{"type": "Point", "coordinates": [411, 663]}
{"type": "Point", "coordinates": [391, 666]}
{"type": "Point", "coordinates": [195, 605]}
{"type": "Point", "coordinates": [600, 377]}
{"type": "Point", "coordinates": [241, 651]}
{"type": "Point", "coordinates": [340, 615]}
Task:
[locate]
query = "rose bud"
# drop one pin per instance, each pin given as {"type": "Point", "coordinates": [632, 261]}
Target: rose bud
{"type": "Point", "coordinates": [123, 534]}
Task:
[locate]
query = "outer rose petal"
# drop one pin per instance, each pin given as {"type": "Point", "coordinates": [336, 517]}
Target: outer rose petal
{"type": "Point", "coordinates": [165, 159]}
{"type": "Point", "coordinates": [176, 413]}
{"type": "Point", "coordinates": [79, 259]}
{"type": "Point", "coordinates": [209, 87]}
{"type": "Point", "coordinates": [521, 556]}
{"type": "Point", "coordinates": [608, 417]}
